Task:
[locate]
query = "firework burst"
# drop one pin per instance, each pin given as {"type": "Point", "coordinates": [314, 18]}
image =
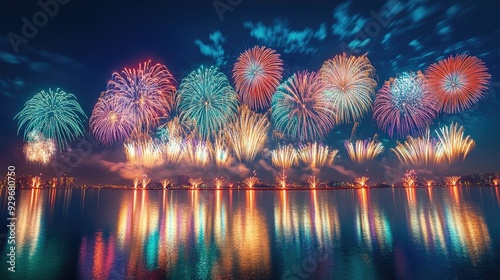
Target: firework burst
{"type": "Point", "coordinates": [146, 94]}
{"type": "Point", "coordinates": [313, 182]}
{"type": "Point", "coordinates": [284, 157]}
{"type": "Point", "coordinates": [165, 183]}
{"type": "Point", "coordinates": [361, 181]}
{"type": "Point", "coordinates": [348, 81]}
{"type": "Point", "coordinates": [144, 152]}
{"type": "Point", "coordinates": [219, 182]}
{"type": "Point", "coordinates": [38, 149]}
{"type": "Point", "coordinates": [458, 82]}
{"type": "Point", "coordinates": [110, 121]}
{"type": "Point", "coordinates": [301, 109]}
{"type": "Point", "coordinates": [420, 151]}
{"type": "Point", "coordinates": [196, 153]}
{"type": "Point", "coordinates": [247, 134]}
{"type": "Point", "coordinates": [404, 105]}
{"type": "Point", "coordinates": [429, 183]}
{"type": "Point", "coordinates": [206, 98]}
{"type": "Point", "coordinates": [195, 183]}
{"type": "Point", "coordinates": [251, 181]}
{"type": "Point", "coordinates": [363, 151]}
{"type": "Point", "coordinates": [281, 179]}
{"type": "Point", "coordinates": [257, 74]}
{"type": "Point", "coordinates": [316, 155]}
{"type": "Point", "coordinates": [453, 144]}
{"type": "Point", "coordinates": [55, 114]}
{"type": "Point", "coordinates": [220, 152]}
{"type": "Point", "coordinates": [452, 180]}
{"type": "Point", "coordinates": [409, 179]}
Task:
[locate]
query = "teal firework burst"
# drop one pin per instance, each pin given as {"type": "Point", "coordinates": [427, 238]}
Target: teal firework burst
{"type": "Point", "coordinates": [56, 114]}
{"type": "Point", "coordinates": [206, 98]}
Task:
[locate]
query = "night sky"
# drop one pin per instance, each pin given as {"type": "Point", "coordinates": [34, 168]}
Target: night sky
{"type": "Point", "coordinates": [86, 41]}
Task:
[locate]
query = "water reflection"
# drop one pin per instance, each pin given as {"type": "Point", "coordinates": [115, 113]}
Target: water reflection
{"type": "Point", "coordinates": [450, 226]}
{"type": "Point", "coordinates": [257, 234]}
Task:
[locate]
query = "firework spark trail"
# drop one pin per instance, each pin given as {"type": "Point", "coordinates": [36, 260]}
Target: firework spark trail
{"type": "Point", "coordinates": [420, 151]}
{"type": "Point", "coordinates": [458, 82]}
{"type": "Point", "coordinates": [404, 105]}
{"type": "Point", "coordinates": [452, 180]}
{"type": "Point", "coordinates": [251, 181]}
{"type": "Point", "coordinates": [363, 151]}
{"type": "Point", "coordinates": [349, 82]}
{"type": "Point", "coordinates": [206, 98]}
{"type": "Point", "coordinates": [301, 109]}
{"type": "Point", "coordinates": [284, 157]}
{"type": "Point", "coordinates": [247, 134]}
{"type": "Point", "coordinates": [317, 155]}
{"type": "Point", "coordinates": [144, 152]}
{"type": "Point", "coordinates": [452, 143]}
{"type": "Point", "coordinates": [55, 114]}
{"type": "Point", "coordinates": [313, 182]}
{"type": "Point", "coordinates": [409, 179]}
{"type": "Point", "coordinates": [361, 181]}
{"type": "Point", "coordinates": [257, 74]}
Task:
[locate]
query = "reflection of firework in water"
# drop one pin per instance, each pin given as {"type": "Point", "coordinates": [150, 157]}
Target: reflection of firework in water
{"type": "Point", "coordinates": [316, 155]}
{"type": "Point", "coordinates": [281, 179]}
{"type": "Point", "coordinates": [452, 180]}
{"type": "Point", "coordinates": [418, 151]}
{"type": "Point", "coordinates": [361, 181]}
{"type": "Point", "coordinates": [206, 98]}
{"type": "Point", "coordinates": [247, 134]}
{"type": "Point", "coordinates": [410, 179]}
{"type": "Point", "coordinates": [284, 157]}
{"type": "Point", "coordinates": [146, 94]}
{"type": "Point", "coordinates": [256, 75]}
{"type": "Point", "coordinates": [165, 183]}
{"type": "Point", "coordinates": [363, 151]}
{"type": "Point", "coordinates": [429, 183]}
{"type": "Point", "coordinates": [38, 149]}
{"type": "Point", "coordinates": [219, 182]}
{"type": "Point", "coordinates": [251, 181]}
{"type": "Point", "coordinates": [349, 82]}
{"type": "Point", "coordinates": [452, 143]}
{"type": "Point", "coordinates": [55, 114]}
{"type": "Point", "coordinates": [313, 182]}
{"type": "Point", "coordinates": [301, 109]}
{"type": "Point", "coordinates": [404, 105]}
{"type": "Point", "coordinates": [109, 121]}
{"type": "Point", "coordinates": [458, 82]}
{"type": "Point", "coordinates": [195, 183]}
{"type": "Point", "coordinates": [143, 152]}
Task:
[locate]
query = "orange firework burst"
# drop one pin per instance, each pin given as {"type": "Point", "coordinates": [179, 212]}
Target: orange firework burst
{"type": "Point", "coordinates": [429, 183]}
{"type": "Point", "coordinates": [313, 181]}
{"type": "Point", "coordinates": [284, 157]}
{"type": "Point", "coordinates": [39, 149]}
{"type": "Point", "coordinates": [363, 151]}
{"type": "Point", "coordinates": [452, 180]}
{"type": "Point", "coordinates": [418, 151]}
{"type": "Point", "coordinates": [256, 74]}
{"type": "Point", "coordinates": [495, 182]}
{"type": "Point", "coordinates": [143, 152]}
{"type": "Point", "coordinates": [247, 134]}
{"type": "Point", "coordinates": [410, 179]}
{"type": "Point", "coordinates": [458, 82]}
{"type": "Point", "coordinates": [361, 181]}
{"type": "Point", "coordinates": [453, 144]}
{"type": "Point", "coordinates": [349, 82]}
{"type": "Point", "coordinates": [195, 183]}
{"type": "Point", "coordinates": [316, 155]}
{"type": "Point", "coordinates": [250, 182]}
{"type": "Point", "coordinates": [219, 182]}
{"type": "Point", "coordinates": [165, 183]}
{"type": "Point", "coordinates": [281, 179]}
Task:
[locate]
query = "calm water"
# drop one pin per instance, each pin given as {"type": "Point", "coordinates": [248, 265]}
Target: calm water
{"type": "Point", "coordinates": [440, 233]}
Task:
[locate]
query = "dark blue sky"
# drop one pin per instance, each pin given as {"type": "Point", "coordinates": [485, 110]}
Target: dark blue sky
{"type": "Point", "coordinates": [85, 41]}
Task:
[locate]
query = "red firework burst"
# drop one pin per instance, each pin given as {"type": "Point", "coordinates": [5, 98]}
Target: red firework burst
{"type": "Point", "coordinates": [257, 74]}
{"type": "Point", "coordinates": [458, 82]}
